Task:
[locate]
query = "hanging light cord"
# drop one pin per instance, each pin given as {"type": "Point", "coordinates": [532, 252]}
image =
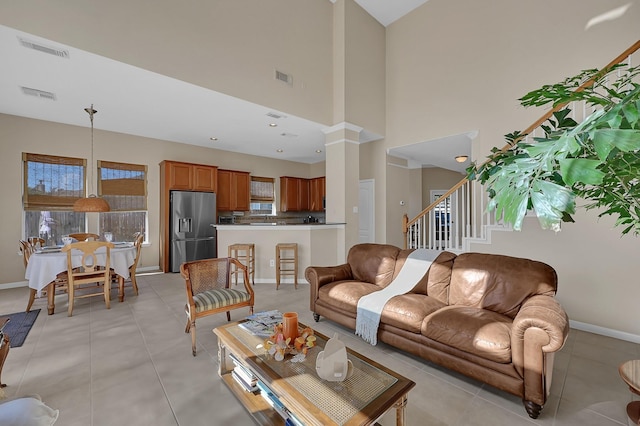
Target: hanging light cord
{"type": "Point", "coordinates": [91, 112]}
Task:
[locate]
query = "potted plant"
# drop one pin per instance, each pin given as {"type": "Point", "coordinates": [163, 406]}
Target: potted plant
{"type": "Point", "coordinates": [597, 160]}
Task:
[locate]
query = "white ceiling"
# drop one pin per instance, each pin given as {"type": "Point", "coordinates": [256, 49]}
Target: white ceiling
{"type": "Point", "coordinates": [134, 101]}
{"type": "Point", "coordinates": [387, 11]}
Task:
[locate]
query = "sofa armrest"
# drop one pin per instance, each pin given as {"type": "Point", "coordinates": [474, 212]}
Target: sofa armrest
{"type": "Point", "coordinates": [540, 327]}
{"type": "Point", "coordinates": [317, 276]}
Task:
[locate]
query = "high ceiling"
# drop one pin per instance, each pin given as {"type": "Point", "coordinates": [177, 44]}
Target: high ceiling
{"type": "Point", "coordinates": [139, 102]}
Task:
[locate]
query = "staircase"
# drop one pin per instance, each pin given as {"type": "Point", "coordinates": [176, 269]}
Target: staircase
{"type": "Point", "coordinates": [460, 217]}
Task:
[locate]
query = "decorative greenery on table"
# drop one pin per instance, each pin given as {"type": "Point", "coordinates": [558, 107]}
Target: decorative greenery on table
{"type": "Point", "coordinates": [597, 160]}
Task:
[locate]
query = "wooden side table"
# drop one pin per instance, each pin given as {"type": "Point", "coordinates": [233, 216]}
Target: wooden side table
{"type": "Point", "coordinates": [630, 373]}
{"type": "Point", "coordinates": [4, 347]}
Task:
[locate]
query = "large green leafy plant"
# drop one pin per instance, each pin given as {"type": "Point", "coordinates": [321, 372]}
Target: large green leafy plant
{"type": "Point", "coordinates": [596, 160]}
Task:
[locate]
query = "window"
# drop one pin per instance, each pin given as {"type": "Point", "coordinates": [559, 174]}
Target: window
{"type": "Point", "coordinates": [262, 196]}
{"type": "Point", "coordinates": [51, 185]}
{"type": "Point", "coordinates": [124, 187]}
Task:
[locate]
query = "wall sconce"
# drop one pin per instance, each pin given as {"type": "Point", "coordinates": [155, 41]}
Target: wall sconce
{"type": "Point", "coordinates": [461, 158]}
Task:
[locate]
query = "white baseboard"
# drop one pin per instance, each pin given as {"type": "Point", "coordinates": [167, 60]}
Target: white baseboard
{"type": "Point", "coordinates": [14, 285]}
{"type": "Point", "coordinates": [634, 338]}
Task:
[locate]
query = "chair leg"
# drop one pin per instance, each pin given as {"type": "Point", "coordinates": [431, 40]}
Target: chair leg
{"type": "Point", "coordinates": [193, 338]}
{"type": "Point", "coordinates": [32, 297]}
{"type": "Point", "coordinates": [120, 289]}
{"type": "Point", "coordinates": [70, 291]}
{"type": "Point", "coordinates": [134, 284]}
{"type": "Point", "coordinates": [188, 327]}
{"type": "Point", "coordinates": [51, 298]}
{"type": "Point", "coordinates": [228, 316]}
{"type": "Point", "coordinates": [107, 294]}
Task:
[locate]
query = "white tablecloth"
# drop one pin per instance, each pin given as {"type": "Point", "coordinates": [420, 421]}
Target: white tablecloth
{"type": "Point", "coordinates": [44, 267]}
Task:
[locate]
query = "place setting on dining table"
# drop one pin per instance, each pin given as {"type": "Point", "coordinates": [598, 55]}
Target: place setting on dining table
{"type": "Point", "coordinates": [55, 266]}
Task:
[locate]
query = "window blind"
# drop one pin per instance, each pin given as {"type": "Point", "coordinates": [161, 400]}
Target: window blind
{"type": "Point", "coordinates": [52, 182]}
{"type": "Point", "coordinates": [122, 185]}
{"type": "Point", "coordinates": [262, 189]}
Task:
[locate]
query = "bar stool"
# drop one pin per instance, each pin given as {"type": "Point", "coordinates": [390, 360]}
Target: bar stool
{"type": "Point", "coordinates": [245, 253]}
{"type": "Point", "coordinates": [284, 259]}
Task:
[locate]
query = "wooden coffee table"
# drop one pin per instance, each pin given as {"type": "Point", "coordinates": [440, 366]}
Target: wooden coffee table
{"type": "Point", "coordinates": [630, 373]}
{"type": "Point", "coordinates": [371, 391]}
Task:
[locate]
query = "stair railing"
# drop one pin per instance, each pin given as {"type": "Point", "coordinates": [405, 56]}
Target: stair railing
{"type": "Point", "coordinates": [460, 215]}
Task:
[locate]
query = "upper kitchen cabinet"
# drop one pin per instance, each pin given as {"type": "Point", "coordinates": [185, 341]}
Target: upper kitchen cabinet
{"type": "Point", "coordinates": [317, 192]}
{"type": "Point", "coordinates": [234, 190]}
{"type": "Point", "coordinates": [294, 194]}
{"type": "Point", "coordinates": [188, 177]}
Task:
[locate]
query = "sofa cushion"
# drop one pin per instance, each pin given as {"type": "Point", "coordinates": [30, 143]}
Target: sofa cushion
{"type": "Point", "coordinates": [498, 283]}
{"type": "Point", "coordinates": [373, 263]}
{"type": "Point", "coordinates": [345, 294]}
{"type": "Point", "coordinates": [407, 311]}
{"type": "Point", "coordinates": [477, 331]}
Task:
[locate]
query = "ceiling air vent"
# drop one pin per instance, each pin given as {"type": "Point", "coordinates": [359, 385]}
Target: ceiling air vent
{"type": "Point", "coordinates": [42, 48]}
{"type": "Point", "coordinates": [289, 135]}
{"type": "Point", "coordinates": [276, 115]}
{"type": "Point", "coordinates": [284, 77]}
{"type": "Point", "coordinates": [38, 93]}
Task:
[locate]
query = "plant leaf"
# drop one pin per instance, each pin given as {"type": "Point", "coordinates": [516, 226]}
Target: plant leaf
{"type": "Point", "coordinates": [581, 170]}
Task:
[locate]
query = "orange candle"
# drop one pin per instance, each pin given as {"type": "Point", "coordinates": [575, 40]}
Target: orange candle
{"type": "Point", "coordinates": [290, 326]}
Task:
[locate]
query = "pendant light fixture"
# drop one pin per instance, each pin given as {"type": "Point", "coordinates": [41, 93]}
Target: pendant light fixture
{"type": "Point", "coordinates": [92, 203]}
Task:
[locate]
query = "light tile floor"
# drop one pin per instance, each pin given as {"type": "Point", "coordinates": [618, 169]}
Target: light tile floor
{"type": "Point", "coordinates": [132, 365]}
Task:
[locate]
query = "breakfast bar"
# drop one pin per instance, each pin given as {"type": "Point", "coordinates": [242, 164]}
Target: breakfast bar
{"type": "Point", "coordinates": [317, 241]}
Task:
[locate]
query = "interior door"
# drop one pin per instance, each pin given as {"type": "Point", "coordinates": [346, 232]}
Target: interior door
{"type": "Point", "coordinates": [443, 220]}
{"type": "Point", "coordinates": [366, 209]}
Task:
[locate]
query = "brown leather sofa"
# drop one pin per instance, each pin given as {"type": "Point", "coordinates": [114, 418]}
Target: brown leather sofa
{"type": "Point", "coordinates": [490, 317]}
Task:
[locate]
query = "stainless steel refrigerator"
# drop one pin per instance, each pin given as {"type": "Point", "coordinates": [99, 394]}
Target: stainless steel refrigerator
{"type": "Point", "coordinates": [192, 227]}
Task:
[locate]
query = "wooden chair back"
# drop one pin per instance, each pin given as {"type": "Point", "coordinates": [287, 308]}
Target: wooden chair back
{"type": "Point", "coordinates": [85, 236]}
{"type": "Point", "coordinates": [89, 272]}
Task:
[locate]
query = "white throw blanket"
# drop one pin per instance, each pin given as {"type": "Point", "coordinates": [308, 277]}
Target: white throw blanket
{"type": "Point", "coordinates": [370, 306]}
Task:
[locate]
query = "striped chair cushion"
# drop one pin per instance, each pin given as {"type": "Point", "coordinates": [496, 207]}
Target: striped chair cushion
{"type": "Point", "coordinates": [218, 298]}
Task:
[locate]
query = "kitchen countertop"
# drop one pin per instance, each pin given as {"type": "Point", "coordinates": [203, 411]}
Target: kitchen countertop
{"type": "Point", "coordinates": [275, 225]}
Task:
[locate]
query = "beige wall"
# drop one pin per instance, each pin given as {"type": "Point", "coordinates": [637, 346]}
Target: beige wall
{"type": "Point", "coordinates": [233, 47]}
{"type": "Point", "coordinates": [365, 70]}
{"type": "Point", "coordinates": [19, 135]}
{"type": "Point", "coordinates": [434, 178]}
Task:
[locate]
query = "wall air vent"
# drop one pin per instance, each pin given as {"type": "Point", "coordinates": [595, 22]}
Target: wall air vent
{"type": "Point", "coordinates": [284, 77]}
{"type": "Point", "coordinates": [42, 48]}
{"type": "Point", "coordinates": [38, 93]}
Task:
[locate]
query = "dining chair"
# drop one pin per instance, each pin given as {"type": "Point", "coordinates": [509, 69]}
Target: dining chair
{"type": "Point", "coordinates": [208, 290]}
{"type": "Point", "coordinates": [27, 248]}
{"type": "Point", "coordinates": [34, 241]}
{"type": "Point", "coordinates": [89, 272]}
{"type": "Point", "coordinates": [85, 236]}
{"type": "Point", "coordinates": [137, 243]}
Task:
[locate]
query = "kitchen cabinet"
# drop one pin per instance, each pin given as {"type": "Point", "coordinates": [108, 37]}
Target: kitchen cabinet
{"type": "Point", "coordinates": [317, 192]}
{"type": "Point", "coordinates": [234, 190]}
{"type": "Point", "coordinates": [300, 194]}
{"type": "Point", "coordinates": [189, 177]}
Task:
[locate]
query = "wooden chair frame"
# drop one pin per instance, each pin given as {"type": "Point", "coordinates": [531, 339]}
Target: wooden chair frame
{"type": "Point", "coordinates": [84, 236]}
{"type": "Point", "coordinates": [190, 307]}
{"type": "Point", "coordinates": [89, 272]}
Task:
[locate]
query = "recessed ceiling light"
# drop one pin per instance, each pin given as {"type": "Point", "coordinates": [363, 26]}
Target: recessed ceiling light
{"type": "Point", "coordinates": [280, 150]}
{"type": "Point", "coordinates": [213, 138]}
{"type": "Point", "coordinates": [318, 151]}
{"type": "Point", "coordinates": [273, 125]}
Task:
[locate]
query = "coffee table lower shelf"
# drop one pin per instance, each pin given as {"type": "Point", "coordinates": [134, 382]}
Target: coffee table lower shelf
{"type": "Point", "coordinates": [260, 410]}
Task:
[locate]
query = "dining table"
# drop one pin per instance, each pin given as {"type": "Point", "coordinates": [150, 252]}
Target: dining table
{"type": "Point", "coordinates": [47, 262]}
